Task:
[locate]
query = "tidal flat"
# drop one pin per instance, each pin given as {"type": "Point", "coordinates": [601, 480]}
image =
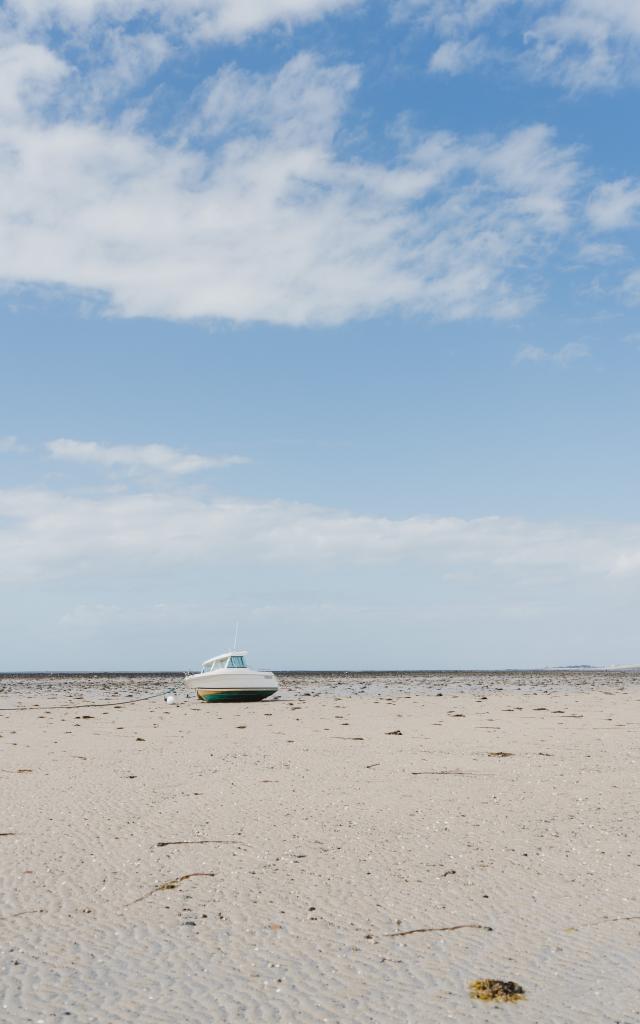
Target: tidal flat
{"type": "Point", "coordinates": [361, 849]}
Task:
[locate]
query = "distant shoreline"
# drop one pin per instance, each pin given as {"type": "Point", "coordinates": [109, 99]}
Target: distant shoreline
{"type": "Point", "coordinates": [179, 673]}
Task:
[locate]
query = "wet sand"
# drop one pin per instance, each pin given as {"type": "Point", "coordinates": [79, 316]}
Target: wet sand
{"type": "Point", "coordinates": [256, 862]}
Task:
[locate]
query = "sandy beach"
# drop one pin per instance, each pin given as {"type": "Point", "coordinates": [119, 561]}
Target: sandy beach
{"type": "Point", "coordinates": [361, 857]}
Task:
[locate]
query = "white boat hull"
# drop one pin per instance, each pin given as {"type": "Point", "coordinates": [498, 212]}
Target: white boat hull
{"type": "Point", "coordinates": [236, 684]}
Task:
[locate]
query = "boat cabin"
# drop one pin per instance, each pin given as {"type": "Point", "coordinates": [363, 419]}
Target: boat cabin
{"type": "Point", "coordinates": [232, 659]}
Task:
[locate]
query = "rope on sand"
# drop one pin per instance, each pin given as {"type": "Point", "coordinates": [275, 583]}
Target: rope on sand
{"type": "Point", "coordinates": [72, 707]}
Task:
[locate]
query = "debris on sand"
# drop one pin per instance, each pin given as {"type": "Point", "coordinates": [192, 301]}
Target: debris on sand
{"type": "Point", "coordinates": [199, 842]}
{"type": "Point", "coordinates": [491, 990]}
{"type": "Point", "coordinates": [21, 913]}
{"type": "Point", "coordinates": [173, 883]}
{"type": "Point", "coordinates": [499, 753]}
{"type": "Point", "coordinates": [603, 920]}
{"type": "Point", "coordinates": [396, 732]}
{"type": "Point", "coordinates": [449, 928]}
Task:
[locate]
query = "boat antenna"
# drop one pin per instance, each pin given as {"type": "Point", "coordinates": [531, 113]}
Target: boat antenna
{"type": "Point", "coordinates": [235, 639]}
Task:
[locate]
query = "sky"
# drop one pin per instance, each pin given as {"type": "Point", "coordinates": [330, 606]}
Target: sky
{"type": "Point", "coordinates": [319, 316]}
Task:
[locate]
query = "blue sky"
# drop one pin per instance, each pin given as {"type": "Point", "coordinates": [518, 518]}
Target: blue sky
{"type": "Point", "coordinates": [321, 316]}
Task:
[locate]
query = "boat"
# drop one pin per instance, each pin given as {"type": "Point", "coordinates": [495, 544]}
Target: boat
{"type": "Point", "coordinates": [228, 678]}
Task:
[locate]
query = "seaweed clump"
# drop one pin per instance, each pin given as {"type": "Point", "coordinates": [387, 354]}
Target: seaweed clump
{"type": "Point", "coordinates": [494, 991]}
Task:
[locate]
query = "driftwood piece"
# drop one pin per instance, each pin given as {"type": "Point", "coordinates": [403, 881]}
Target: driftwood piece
{"type": "Point", "coordinates": [449, 928]}
{"type": "Point", "coordinates": [198, 842]}
{"type": "Point", "coordinates": [21, 913]}
{"type": "Point", "coordinates": [173, 883]}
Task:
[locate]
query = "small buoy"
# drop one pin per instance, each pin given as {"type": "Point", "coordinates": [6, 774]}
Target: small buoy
{"type": "Point", "coordinates": [170, 698]}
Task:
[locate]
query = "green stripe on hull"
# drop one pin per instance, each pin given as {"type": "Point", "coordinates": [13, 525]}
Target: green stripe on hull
{"type": "Point", "coordinates": [234, 695]}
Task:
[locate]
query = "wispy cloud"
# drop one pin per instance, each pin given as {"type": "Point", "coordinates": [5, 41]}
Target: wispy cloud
{"type": "Point", "coordinates": [139, 458]}
{"type": "Point", "coordinates": [254, 213]}
{"type": "Point", "coordinates": [562, 357]}
{"type": "Point", "coordinates": [577, 44]}
{"type": "Point", "coordinates": [602, 252]}
{"type": "Point", "coordinates": [586, 44]}
{"type": "Point", "coordinates": [247, 208]}
{"type": "Point", "coordinates": [43, 533]}
{"type": "Point", "coordinates": [456, 56]}
{"type": "Point", "coordinates": [195, 19]}
{"type": "Point", "coordinates": [631, 288]}
{"type": "Point", "coordinates": [615, 204]}
{"type": "Point", "coordinates": [451, 17]}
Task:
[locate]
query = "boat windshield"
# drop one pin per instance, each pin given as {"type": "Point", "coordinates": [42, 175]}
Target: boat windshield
{"type": "Point", "coordinates": [229, 661]}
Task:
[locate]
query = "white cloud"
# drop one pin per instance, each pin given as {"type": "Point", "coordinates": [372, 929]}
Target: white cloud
{"type": "Point", "coordinates": [631, 287]}
{"type": "Point", "coordinates": [29, 74]}
{"type": "Point", "coordinates": [451, 17]}
{"type": "Point", "coordinates": [612, 206]}
{"type": "Point", "coordinates": [455, 56]}
{"type": "Point", "coordinates": [587, 44]}
{"type": "Point", "coordinates": [253, 213]}
{"type": "Point", "coordinates": [200, 19]}
{"type": "Point", "coordinates": [578, 44]}
{"type": "Point", "coordinates": [563, 357]}
{"type": "Point", "coordinates": [120, 62]}
{"type": "Point", "coordinates": [602, 252]}
{"type": "Point", "coordinates": [615, 204]}
{"type": "Point", "coordinates": [301, 104]}
{"type": "Point", "coordinates": [139, 458]}
{"type": "Point", "coordinates": [46, 534]}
